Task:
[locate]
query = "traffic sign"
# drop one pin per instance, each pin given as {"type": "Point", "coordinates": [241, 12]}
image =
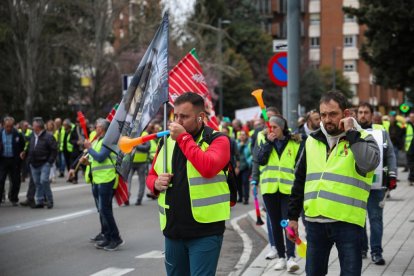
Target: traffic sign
{"type": "Point", "coordinates": [277, 69]}
{"type": "Point", "coordinates": [280, 45]}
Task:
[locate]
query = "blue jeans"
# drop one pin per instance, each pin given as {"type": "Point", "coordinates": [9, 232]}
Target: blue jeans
{"type": "Point", "coordinates": [322, 236]}
{"type": "Point", "coordinates": [96, 199]}
{"type": "Point", "coordinates": [60, 162]}
{"type": "Point", "coordinates": [41, 180]}
{"type": "Point", "coordinates": [105, 193]}
{"type": "Point", "coordinates": [193, 257]}
{"type": "Point", "coordinates": [375, 221]}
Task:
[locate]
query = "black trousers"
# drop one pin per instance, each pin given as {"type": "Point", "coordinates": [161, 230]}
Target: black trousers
{"type": "Point", "coordinates": [10, 167]}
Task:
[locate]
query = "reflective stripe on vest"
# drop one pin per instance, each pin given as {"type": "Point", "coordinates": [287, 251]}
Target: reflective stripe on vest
{"type": "Point", "coordinates": [102, 172]}
{"type": "Point", "coordinates": [408, 137]}
{"type": "Point", "coordinates": [338, 198]}
{"type": "Point", "coordinates": [210, 197]}
{"type": "Point", "coordinates": [333, 187]}
{"type": "Point", "coordinates": [278, 174]}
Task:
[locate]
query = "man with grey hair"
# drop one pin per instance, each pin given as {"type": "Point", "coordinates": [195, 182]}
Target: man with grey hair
{"type": "Point", "coordinates": [41, 156]}
{"type": "Point", "coordinates": [101, 173]}
{"type": "Point", "coordinates": [11, 145]}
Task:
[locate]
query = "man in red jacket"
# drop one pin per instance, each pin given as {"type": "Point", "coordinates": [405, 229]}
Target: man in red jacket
{"type": "Point", "coordinates": [194, 198]}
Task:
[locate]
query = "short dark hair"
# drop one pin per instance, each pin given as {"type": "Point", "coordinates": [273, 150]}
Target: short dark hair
{"type": "Point", "coordinates": [39, 121]}
{"type": "Point", "coordinates": [337, 96]}
{"type": "Point", "coordinates": [365, 104]}
{"type": "Point", "coordinates": [190, 97]}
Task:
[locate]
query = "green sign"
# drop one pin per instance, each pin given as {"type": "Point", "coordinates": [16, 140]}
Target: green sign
{"type": "Point", "coordinates": [404, 108]}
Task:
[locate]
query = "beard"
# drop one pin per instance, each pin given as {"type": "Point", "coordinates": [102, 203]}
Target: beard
{"type": "Point", "coordinates": [364, 125]}
{"type": "Point", "coordinates": [332, 129]}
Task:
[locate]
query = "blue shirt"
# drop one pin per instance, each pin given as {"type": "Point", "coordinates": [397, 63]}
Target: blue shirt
{"type": "Point", "coordinates": [7, 144]}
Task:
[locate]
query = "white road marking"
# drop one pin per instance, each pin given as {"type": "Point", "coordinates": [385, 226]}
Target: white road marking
{"type": "Point", "coordinates": [155, 254]}
{"type": "Point", "coordinates": [247, 247]}
{"type": "Point", "coordinates": [113, 271]}
{"type": "Point", "coordinates": [63, 188]}
{"type": "Point", "coordinates": [31, 224]}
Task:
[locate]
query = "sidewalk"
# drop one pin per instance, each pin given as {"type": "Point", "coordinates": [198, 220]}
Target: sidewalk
{"type": "Point", "coordinates": [398, 240]}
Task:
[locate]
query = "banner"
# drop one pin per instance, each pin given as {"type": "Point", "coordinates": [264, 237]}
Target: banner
{"type": "Point", "coordinates": [146, 93]}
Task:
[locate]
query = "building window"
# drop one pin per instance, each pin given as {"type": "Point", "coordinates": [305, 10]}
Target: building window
{"type": "Point", "coordinates": [350, 41]}
{"type": "Point", "coordinates": [314, 43]}
{"type": "Point", "coordinates": [350, 66]}
{"type": "Point", "coordinates": [314, 19]}
{"type": "Point", "coordinates": [349, 18]}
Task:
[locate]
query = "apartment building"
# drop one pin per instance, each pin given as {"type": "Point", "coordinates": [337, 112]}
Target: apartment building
{"type": "Point", "coordinates": [331, 38]}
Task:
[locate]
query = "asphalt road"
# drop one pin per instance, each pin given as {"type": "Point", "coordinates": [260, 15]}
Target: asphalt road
{"type": "Point", "coordinates": [56, 241]}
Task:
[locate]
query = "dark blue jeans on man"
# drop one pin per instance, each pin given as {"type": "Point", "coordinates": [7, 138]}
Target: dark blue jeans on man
{"type": "Point", "coordinates": [375, 221]}
{"type": "Point", "coordinates": [105, 194]}
{"type": "Point", "coordinates": [195, 257]}
{"type": "Point", "coordinates": [96, 199]}
{"type": "Point", "coordinates": [42, 183]}
{"type": "Point", "coordinates": [322, 236]}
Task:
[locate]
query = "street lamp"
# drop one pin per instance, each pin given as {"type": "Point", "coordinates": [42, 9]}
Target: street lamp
{"type": "Point", "coordinates": [220, 62]}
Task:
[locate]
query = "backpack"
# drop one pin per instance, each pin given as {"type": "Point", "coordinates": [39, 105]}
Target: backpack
{"type": "Point", "coordinates": [208, 137]}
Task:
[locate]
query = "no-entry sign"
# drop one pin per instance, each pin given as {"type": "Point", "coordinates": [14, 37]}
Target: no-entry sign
{"type": "Point", "coordinates": [277, 69]}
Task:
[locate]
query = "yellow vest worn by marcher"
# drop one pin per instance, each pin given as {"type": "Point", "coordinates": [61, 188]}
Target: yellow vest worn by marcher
{"type": "Point", "coordinates": [278, 174]}
{"type": "Point", "coordinates": [210, 197]}
{"type": "Point", "coordinates": [102, 172]}
{"type": "Point", "coordinates": [333, 187]}
{"type": "Point", "coordinates": [139, 156]}
{"type": "Point", "coordinates": [408, 136]}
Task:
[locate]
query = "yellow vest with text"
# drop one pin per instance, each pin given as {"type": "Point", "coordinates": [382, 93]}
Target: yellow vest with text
{"type": "Point", "coordinates": [278, 174]}
{"type": "Point", "coordinates": [210, 197]}
{"type": "Point", "coordinates": [139, 156]}
{"type": "Point", "coordinates": [102, 172]}
{"type": "Point", "coordinates": [333, 187]}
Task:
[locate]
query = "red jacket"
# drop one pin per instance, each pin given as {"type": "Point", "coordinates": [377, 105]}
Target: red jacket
{"type": "Point", "coordinates": [208, 163]}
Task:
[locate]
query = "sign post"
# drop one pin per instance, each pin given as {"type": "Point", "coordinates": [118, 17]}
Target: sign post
{"type": "Point", "coordinates": [277, 70]}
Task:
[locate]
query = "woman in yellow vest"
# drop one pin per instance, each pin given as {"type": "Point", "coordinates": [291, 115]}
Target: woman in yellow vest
{"type": "Point", "coordinates": [277, 154]}
{"type": "Point", "coordinates": [101, 173]}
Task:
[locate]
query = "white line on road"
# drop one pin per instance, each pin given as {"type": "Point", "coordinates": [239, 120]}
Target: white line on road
{"type": "Point", "coordinates": [247, 247]}
{"type": "Point", "coordinates": [63, 188]}
{"type": "Point", "coordinates": [113, 271]}
{"type": "Point", "coordinates": [27, 225]}
{"type": "Point", "coordinates": [155, 254]}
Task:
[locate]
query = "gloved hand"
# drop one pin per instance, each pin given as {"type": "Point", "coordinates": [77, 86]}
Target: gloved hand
{"type": "Point", "coordinates": [392, 182]}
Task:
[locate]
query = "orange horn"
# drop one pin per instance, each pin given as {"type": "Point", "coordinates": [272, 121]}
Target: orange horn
{"type": "Point", "coordinates": [126, 144]}
{"type": "Point", "coordinates": [258, 95]}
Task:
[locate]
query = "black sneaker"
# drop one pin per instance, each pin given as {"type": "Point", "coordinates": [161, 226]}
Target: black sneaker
{"type": "Point", "coordinates": [98, 238]}
{"type": "Point", "coordinates": [102, 244]}
{"type": "Point", "coordinates": [50, 205]}
{"type": "Point", "coordinates": [114, 245]}
{"type": "Point", "coordinates": [378, 259]}
{"type": "Point", "coordinates": [138, 203]}
{"type": "Point", "coordinates": [37, 206]}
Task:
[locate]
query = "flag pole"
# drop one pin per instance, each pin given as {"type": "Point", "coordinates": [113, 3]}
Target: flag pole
{"type": "Point", "coordinates": [166, 103]}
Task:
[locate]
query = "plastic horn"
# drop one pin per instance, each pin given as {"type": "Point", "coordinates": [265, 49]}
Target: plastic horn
{"type": "Point", "coordinates": [259, 98]}
{"type": "Point", "coordinates": [82, 122]}
{"type": "Point", "coordinates": [126, 144]}
{"type": "Point", "coordinates": [301, 246]}
{"type": "Point", "coordinates": [259, 220]}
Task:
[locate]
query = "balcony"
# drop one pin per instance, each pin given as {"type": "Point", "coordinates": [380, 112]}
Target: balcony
{"type": "Point", "coordinates": [350, 28]}
{"type": "Point", "coordinates": [351, 3]}
{"type": "Point", "coordinates": [314, 6]}
{"type": "Point", "coordinates": [314, 31]}
{"type": "Point", "coordinates": [350, 53]}
{"type": "Point", "coordinates": [353, 77]}
{"type": "Point", "coordinates": [314, 54]}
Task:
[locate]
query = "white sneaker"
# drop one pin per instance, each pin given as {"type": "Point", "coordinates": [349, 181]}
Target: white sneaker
{"type": "Point", "coordinates": [272, 254]}
{"type": "Point", "coordinates": [280, 264]}
{"type": "Point", "coordinates": [291, 265]}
